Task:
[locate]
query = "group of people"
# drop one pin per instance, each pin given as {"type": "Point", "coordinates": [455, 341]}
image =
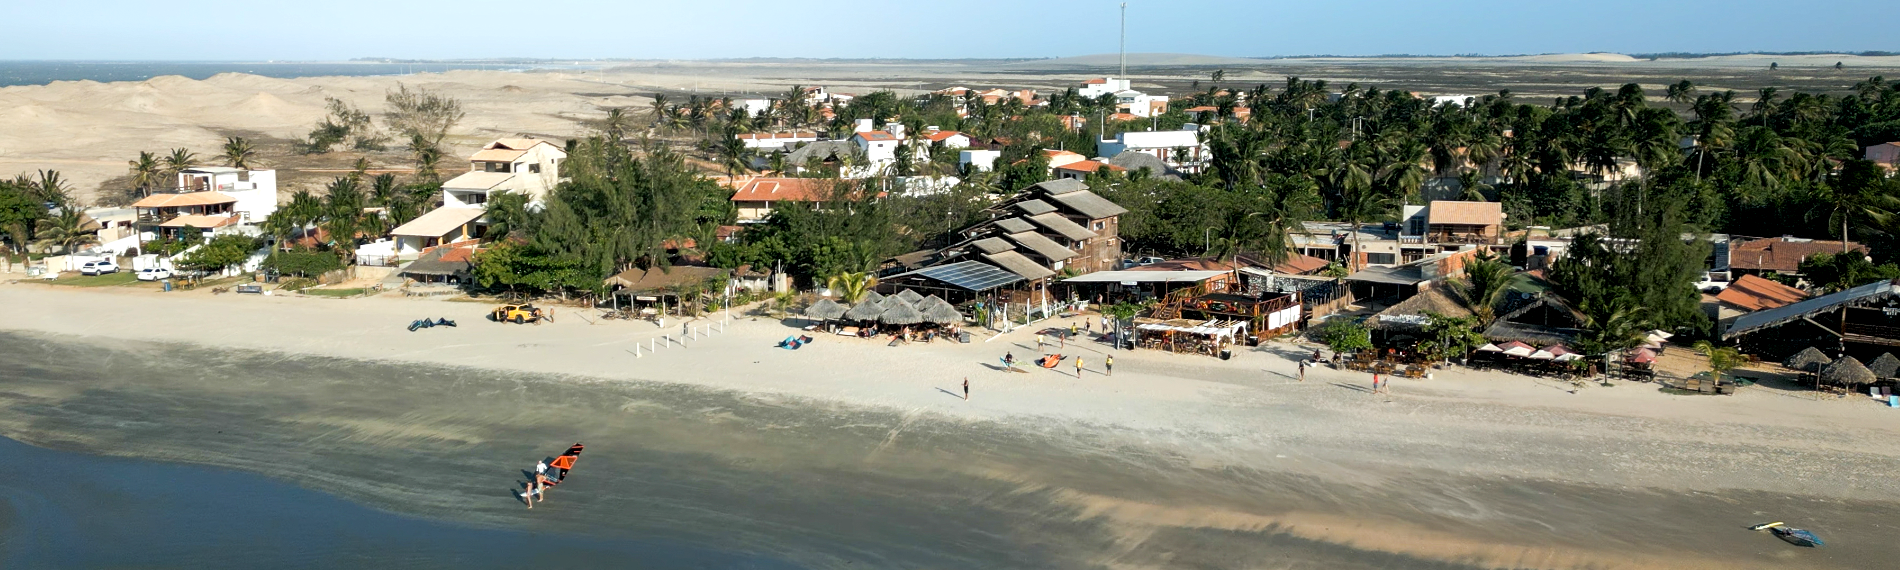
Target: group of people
{"type": "Point", "coordinates": [542, 481]}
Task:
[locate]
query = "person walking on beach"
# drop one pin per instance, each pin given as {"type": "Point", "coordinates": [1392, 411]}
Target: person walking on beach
{"type": "Point", "coordinates": [1039, 343]}
{"type": "Point", "coordinates": [1071, 329]}
{"type": "Point", "coordinates": [1302, 370]}
{"type": "Point", "coordinates": [1375, 382]}
{"type": "Point", "coordinates": [1108, 363]}
{"type": "Point", "coordinates": [1078, 367]}
{"type": "Point", "coordinates": [966, 388]}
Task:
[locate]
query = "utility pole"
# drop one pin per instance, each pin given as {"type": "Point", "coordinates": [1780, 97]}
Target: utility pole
{"type": "Point", "coordinates": [1123, 57]}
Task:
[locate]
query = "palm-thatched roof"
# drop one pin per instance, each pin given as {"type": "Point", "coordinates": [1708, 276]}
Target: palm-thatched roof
{"type": "Point", "coordinates": [1409, 315]}
{"type": "Point", "coordinates": [895, 300]}
{"type": "Point", "coordinates": [1885, 366]}
{"type": "Point", "coordinates": [866, 310]}
{"type": "Point", "coordinates": [941, 313]}
{"type": "Point", "coordinates": [872, 297]}
{"type": "Point", "coordinates": [1810, 359]}
{"type": "Point", "coordinates": [825, 309]}
{"type": "Point", "coordinates": [910, 297]}
{"type": "Point", "coordinates": [932, 301]}
{"type": "Point", "coordinates": [900, 314]}
{"type": "Point", "coordinates": [1847, 372]}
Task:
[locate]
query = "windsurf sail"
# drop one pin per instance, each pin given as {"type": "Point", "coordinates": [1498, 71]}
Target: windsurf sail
{"type": "Point", "coordinates": [566, 460]}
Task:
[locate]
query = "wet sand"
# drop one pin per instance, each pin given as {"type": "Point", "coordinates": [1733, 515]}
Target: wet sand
{"type": "Point", "coordinates": [823, 484]}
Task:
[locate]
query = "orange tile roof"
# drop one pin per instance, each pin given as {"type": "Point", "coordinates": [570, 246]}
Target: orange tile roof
{"type": "Point", "coordinates": [1203, 109]}
{"type": "Point", "coordinates": [200, 222]}
{"type": "Point", "coordinates": [1301, 264]}
{"type": "Point", "coordinates": [783, 190]}
{"type": "Point", "coordinates": [497, 155]}
{"type": "Point", "coordinates": [1090, 166]}
{"type": "Point", "coordinates": [183, 200]}
{"type": "Point", "coordinates": [1095, 82]}
{"type": "Point", "coordinates": [1123, 117]}
{"type": "Point", "coordinates": [1465, 213]}
{"type": "Point", "coordinates": [1781, 255]}
{"type": "Point", "coordinates": [941, 136]}
{"type": "Point", "coordinates": [1751, 293]}
{"type": "Point", "coordinates": [875, 136]}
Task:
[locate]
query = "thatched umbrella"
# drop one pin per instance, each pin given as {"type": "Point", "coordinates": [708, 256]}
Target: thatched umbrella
{"type": "Point", "coordinates": [910, 296]}
{"type": "Point", "coordinates": [825, 310]}
{"type": "Point", "coordinates": [872, 297]}
{"type": "Point", "coordinates": [1847, 372]}
{"type": "Point", "coordinates": [895, 300]}
{"type": "Point", "coordinates": [867, 310]}
{"type": "Point", "coordinates": [942, 313]}
{"type": "Point", "coordinates": [900, 314]}
{"type": "Point", "coordinates": [1810, 359]}
{"type": "Point", "coordinates": [932, 301]}
{"type": "Point", "coordinates": [1885, 366]}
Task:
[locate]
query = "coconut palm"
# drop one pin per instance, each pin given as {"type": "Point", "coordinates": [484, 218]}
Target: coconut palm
{"type": "Point", "coordinates": [1680, 92]}
{"type": "Point", "coordinates": [734, 156]}
{"type": "Point", "coordinates": [146, 172]}
{"type": "Point", "coordinates": [1483, 286]}
{"type": "Point", "coordinates": [66, 230]}
{"type": "Point", "coordinates": [616, 124]}
{"type": "Point", "coordinates": [51, 188]}
{"type": "Point", "coordinates": [238, 153]}
{"type": "Point", "coordinates": [1473, 185]}
{"type": "Point", "coordinates": [179, 161]}
{"type": "Point", "coordinates": [851, 286]}
{"type": "Point", "coordinates": [1861, 195]}
{"type": "Point", "coordinates": [1721, 359]}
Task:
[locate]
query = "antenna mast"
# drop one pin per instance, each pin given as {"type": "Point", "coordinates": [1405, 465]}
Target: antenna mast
{"type": "Point", "coordinates": [1123, 57]}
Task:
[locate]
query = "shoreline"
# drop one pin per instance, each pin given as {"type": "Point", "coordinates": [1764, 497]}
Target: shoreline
{"type": "Point", "coordinates": [1189, 444]}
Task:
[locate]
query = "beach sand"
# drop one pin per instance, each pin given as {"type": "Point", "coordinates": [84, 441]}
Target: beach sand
{"type": "Point", "coordinates": [848, 451]}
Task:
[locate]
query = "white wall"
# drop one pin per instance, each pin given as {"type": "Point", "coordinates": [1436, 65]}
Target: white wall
{"type": "Point", "coordinates": [984, 160]}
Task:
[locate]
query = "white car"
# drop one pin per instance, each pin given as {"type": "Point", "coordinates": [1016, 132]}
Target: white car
{"type": "Point", "coordinates": [154, 274]}
{"type": "Point", "coordinates": [98, 268]}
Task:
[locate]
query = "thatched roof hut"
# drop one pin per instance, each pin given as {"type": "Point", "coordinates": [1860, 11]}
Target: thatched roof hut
{"type": "Point", "coordinates": [866, 310]}
{"type": "Point", "coordinates": [1885, 366]}
{"type": "Point", "coordinates": [932, 301]}
{"type": "Point", "coordinates": [910, 297]}
{"type": "Point", "coordinates": [825, 310]}
{"type": "Point", "coordinates": [900, 314]}
{"type": "Point", "coordinates": [941, 313]}
{"type": "Point", "coordinates": [1847, 372]}
{"type": "Point", "coordinates": [872, 297]}
{"type": "Point", "coordinates": [1409, 315]}
{"type": "Point", "coordinates": [1810, 359]}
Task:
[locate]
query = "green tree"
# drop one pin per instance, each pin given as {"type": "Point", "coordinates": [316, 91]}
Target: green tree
{"type": "Point", "coordinates": [67, 230]}
{"type": "Point", "coordinates": [1447, 336]}
{"type": "Point", "coordinates": [422, 113]}
{"type": "Point", "coordinates": [1485, 281]}
{"type": "Point", "coordinates": [1721, 359]}
{"type": "Point", "coordinates": [146, 171]}
{"type": "Point", "coordinates": [1345, 335]}
{"type": "Point", "coordinates": [179, 161]}
{"type": "Point", "coordinates": [220, 253]}
{"type": "Point", "coordinates": [851, 287]}
{"type": "Point", "coordinates": [238, 153]}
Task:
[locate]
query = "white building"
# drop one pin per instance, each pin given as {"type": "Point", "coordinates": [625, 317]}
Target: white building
{"type": "Point", "coordinates": [981, 160]}
{"type": "Point", "coordinates": [1458, 100]}
{"type": "Point", "coordinates": [1101, 86]}
{"type": "Point", "coordinates": [523, 166]}
{"type": "Point", "coordinates": [879, 147]}
{"type": "Point", "coordinates": [1140, 104]}
{"type": "Point", "coordinates": [1169, 146]}
{"type": "Point", "coordinates": [756, 107]}
{"type": "Point", "coordinates": [254, 190]}
{"type": "Point", "coordinates": [945, 139]}
{"type": "Point", "coordinates": [776, 142]}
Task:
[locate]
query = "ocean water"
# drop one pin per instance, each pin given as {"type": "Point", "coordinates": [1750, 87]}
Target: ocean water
{"type": "Point", "coordinates": [42, 72]}
{"type": "Point", "coordinates": [171, 455]}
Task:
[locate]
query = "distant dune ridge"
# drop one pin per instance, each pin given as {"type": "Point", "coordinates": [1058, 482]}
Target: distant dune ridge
{"type": "Point", "coordinates": [88, 129]}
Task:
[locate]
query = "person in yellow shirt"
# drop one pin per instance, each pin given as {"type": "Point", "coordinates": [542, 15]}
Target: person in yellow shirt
{"type": "Point", "coordinates": [1078, 367]}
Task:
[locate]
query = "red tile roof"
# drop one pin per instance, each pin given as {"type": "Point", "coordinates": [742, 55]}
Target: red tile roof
{"type": "Point", "coordinates": [875, 136]}
{"type": "Point", "coordinates": [1090, 166]}
{"type": "Point", "coordinates": [941, 136]}
{"type": "Point", "coordinates": [1778, 254]}
{"type": "Point", "coordinates": [783, 190]}
{"type": "Point", "coordinates": [1095, 82]}
{"type": "Point", "coordinates": [1465, 213]}
{"type": "Point", "coordinates": [1751, 293]}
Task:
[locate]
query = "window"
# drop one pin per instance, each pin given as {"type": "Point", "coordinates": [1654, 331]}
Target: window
{"type": "Point", "coordinates": [496, 167]}
{"type": "Point", "coordinates": [534, 168]}
{"type": "Point", "coordinates": [1098, 225]}
{"type": "Point", "coordinates": [1381, 258]}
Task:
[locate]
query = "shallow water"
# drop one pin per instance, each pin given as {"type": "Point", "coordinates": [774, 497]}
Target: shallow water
{"type": "Point", "coordinates": [695, 478]}
{"type": "Point", "coordinates": [43, 72]}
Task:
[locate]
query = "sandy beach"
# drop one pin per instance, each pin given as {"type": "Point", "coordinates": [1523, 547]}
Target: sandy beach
{"type": "Point", "coordinates": [848, 451]}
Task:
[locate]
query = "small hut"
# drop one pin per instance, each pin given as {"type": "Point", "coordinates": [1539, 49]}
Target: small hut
{"type": "Point", "coordinates": [1847, 372]}
{"type": "Point", "coordinates": [942, 313]}
{"type": "Point", "coordinates": [872, 297]}
{"type": "Point", "coordinates": [1809, 360]}
{"type": "Point", "coordinates": [866, 310]}
{"type": "Point", "coordinates": [1886, 366]}
{"type": "Point", "coordinates": [901, 314]}
{"type": "Point", "coordinates": [910, 297]}
{"type": "Point", "coordinates": [824, 310]}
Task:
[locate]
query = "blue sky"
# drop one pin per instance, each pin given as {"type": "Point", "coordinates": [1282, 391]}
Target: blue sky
{"type": "Point", "coordinates": [342, 29]}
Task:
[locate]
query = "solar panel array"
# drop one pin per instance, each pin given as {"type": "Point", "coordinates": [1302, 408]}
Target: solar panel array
{"type": "Point", "coordinates": [972, 275]}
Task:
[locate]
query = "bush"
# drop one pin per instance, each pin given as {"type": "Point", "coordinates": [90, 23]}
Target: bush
{"type": "Point", "coordinates": [1344, 335]}
{"type": "Point", "coordinates": [303, 263]}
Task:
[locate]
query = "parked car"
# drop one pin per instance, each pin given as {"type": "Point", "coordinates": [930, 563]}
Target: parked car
{"type": "Point", "coordinates": [154, 274]}
{"type": "Point", "coordinates": [98, 268]}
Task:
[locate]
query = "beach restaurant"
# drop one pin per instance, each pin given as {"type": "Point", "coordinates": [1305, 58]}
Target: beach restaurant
{"type": "Point", "coordinates": [1211, 337]}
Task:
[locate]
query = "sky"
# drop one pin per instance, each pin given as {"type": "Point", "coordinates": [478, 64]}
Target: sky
{"type": "Point", "coordinates": [258, 30]}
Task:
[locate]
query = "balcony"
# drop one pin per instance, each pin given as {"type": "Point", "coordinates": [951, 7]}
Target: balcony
{"type": "Point", "coordinates": [1466, 239]}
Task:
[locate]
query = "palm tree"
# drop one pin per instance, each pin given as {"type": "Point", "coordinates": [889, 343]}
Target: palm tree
{"type": "Point", "coordinates": [66, 230]}
{"type": "Point", "coordinates": [427, 157]}
{"type": "Point", "coordinates": [145, 172]}
{"type": "Point", "coordinates": [659, 109]}
{"type": "Point", "coordinates": [343, 216]}
{"type": "Point", "coordinates": [616, 124]}
{"type": "Point", "coordinates": [1485, 281]}
{"type": "Point", "coordinates": [851, 286]}
{"type": "Point", "coordinates": [179, 161]}
{"type": "Point", "coordinates": [1721, 358]}
{"type": "Point", "coordinates": [1681, 92]}
{"type": "Point", "coordinates": [1860, 195]}
{"type": "Point", "coordinates": [734, 156]}
{"type": "Point", "coordinates": [238, 153]}
{"type": "Point", "coordinates": [51, 188]}
{"type": "Point", "coordinates": [1473, 185]}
